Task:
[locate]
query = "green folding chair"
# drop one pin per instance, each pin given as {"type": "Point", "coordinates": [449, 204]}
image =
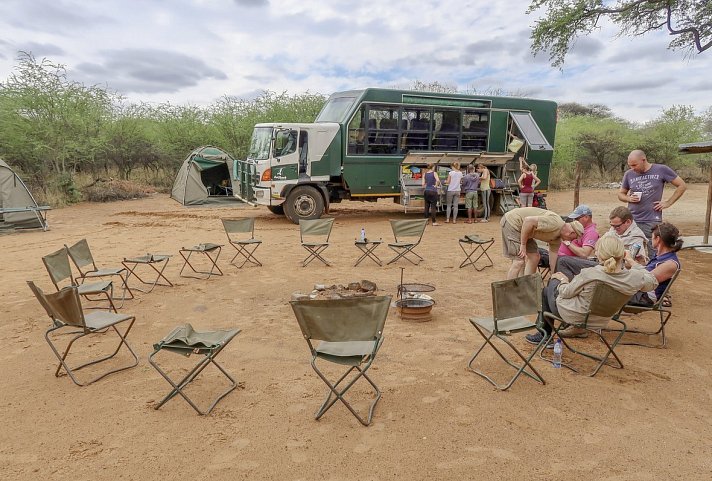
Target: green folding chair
{"type": "Point", "coordinates": [606, 305]}
{"type": "Point", "coordinates": [65, 309]}
{"type": "Point", "coordinates": [664, 314]}
{"type": "Point", "coordinates": [350, 333]}
{"type": "Point", "coordinates": [314, 235]}
{"type": "Point", "coordinates": [185, 340]}
{"type": "Point", "coordinates": [516, 306]}
{"type": "Point", "coordinates": [83, 260]}
{"type": "Point", "coordinates": [407, 233]}
{"type": "Point", "coordinates": [241, 235]}
{"type": "Point", "coordinates": [59, 270]}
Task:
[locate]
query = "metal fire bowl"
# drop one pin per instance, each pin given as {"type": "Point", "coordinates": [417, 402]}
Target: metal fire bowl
{"type": "Point", "coordinates": [415, 309]}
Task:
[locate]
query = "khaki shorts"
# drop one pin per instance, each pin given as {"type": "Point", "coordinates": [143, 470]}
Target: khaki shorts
{"type": "Point", "coordinates": [471, 200]}
{"type": "Point", "coordinates": [511, 241]}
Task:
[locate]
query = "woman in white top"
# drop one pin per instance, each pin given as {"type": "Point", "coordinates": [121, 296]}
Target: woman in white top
{"type": "Point", "coordinates": [452, 198]}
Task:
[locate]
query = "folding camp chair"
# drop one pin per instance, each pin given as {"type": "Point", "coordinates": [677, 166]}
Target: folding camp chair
{"type": "Point", "coordinates": [606, 302]}
{"type": "Point", "coordinates": [186, 341]}
{"type": "Point", "coordinates": [314, 235]}
{"type": "Point", "coordinates": [474, 244]}
{"type": "Point", "coordinates": [663, 312]}
{"type": "Point", "coordinates": [150, 260]}
{"type": "Point", "coordinates": [65, 309]}
{"type": "Point", "coordinates": [206, 249]}
{"type": "Point", "coordinates": [514, 303]}
{"type": "Point", "coordinates": [59, 270]}
{"type": "Point", "coordinates": [408, 234]}
{"type": "Point", "coordinates": [350, 332]}
{"type": "Point", "coordinates": [237, 231]}
{"type": "Point", "coordinates": [81, 257]}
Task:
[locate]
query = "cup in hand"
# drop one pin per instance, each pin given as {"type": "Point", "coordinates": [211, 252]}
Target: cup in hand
{"type": "Point", "coordinates": [637, 196]}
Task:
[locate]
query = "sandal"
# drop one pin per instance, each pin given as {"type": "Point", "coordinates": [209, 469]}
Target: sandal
{"type": "Point", "coordinates": [667, 301]}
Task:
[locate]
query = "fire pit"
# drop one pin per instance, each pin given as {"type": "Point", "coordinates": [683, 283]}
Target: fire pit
{"type": "Point", "coordinates": [412, 304]}
{"type": "Point", "coordinates": [361, 288]}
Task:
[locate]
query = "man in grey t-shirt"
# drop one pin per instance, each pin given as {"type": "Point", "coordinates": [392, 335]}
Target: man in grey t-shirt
{"type": "Point", "coordinates": [642, 188]}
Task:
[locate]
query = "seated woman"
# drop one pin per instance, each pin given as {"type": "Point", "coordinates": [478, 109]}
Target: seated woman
{"type": "Point", "coordinates": [666, 242]}
{"type": "Point", "coordinates": [570, 300]}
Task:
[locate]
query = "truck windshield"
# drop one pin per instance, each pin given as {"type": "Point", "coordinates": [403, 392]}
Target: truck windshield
{"type": "Point", "coordinates": [260, 143]}
{"type": "Point", "coordinates": [335, 109]}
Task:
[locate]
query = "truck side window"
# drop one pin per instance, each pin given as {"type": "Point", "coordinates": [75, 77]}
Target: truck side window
{"type": "Point", "coordinates": [285, 142]}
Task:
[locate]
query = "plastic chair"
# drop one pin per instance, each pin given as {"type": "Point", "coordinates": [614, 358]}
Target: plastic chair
{"type": "Point", "coordinates": [350, 333]}
{"type": "Point", "coordinates": [65, 309]}
{"type": "Point", "coordinates": [606, 303]}
{"type": "Point", "coordinates": [514, 303]}
{"type": "Point", "coordinates": [185, 340]}
{"type": "Point", "coordinates": [237, 231]}
{"type": "Point", "coordinates": [407, 234]}
{"type": "Point", "coordinates": [314, 235]}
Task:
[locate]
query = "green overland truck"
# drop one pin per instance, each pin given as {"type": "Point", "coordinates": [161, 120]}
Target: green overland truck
{"type": "Point", "coordinates": [364, 144]}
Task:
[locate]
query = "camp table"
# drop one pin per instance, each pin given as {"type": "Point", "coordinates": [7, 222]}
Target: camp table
{"type": "Point", "coordinates": [206, 249]}
{"type": "Point", "coordinates": [150, 260]}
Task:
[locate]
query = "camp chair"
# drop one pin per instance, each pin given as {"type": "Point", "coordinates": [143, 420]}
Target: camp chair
{"type": "Point", "coordinates": [206, 249]}
{"type": "Point", "coordinates": [514, 302]}
{"type": "Point", "coordinates": [59, 270]}
{"type": "Point", "coordinates": [408, 234]}
{"type": "Point", "coordinates": [314, 235]}
{"type": "Point", "coordinates": [149, 260]}
{"type": "Point", "coordinates": [186, 341]}
{"type": "Point", "coordinates": [663, 312]}
{"type": "Point", "coordinates": [350, 332]}
{"type": "Point", "coordinates": [81, 257]}
{"type": "Point", "coordinates": [65, 309]}
{"type": "Point", "coordinates": [474, 244]}
{"type": "Point", "coordinates": [237, 231]}
{"type": "Point", "coordinates": [606, 302]}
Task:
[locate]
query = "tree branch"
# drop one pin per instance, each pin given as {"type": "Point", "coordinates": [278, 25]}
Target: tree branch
{"type": "Point", "coordinates": [695, 32]}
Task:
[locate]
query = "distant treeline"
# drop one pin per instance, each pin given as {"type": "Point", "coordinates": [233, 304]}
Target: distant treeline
{"type": "Point", "coordinates": [53, 128]}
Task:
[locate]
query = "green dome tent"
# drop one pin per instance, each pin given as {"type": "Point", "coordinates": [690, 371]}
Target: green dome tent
{"type": "Point", "coordinates": [204, 177]}
{"type": "Point", "coordinates": [18, 209]}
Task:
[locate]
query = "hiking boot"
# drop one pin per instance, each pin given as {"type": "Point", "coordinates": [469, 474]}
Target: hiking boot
{"type": "Point", "coordinates": [573, 332]}
{"type": "Point", "coordinates": [536, 339]}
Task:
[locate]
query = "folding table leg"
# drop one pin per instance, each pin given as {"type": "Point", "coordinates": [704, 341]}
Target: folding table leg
{"type": "Point", "coordinates": [159, 274]}
{"type": "Point", "coordinates": [212, 260]}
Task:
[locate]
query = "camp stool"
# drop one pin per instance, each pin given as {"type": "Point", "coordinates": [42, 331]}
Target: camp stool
{"type": "Point", "coordinates": [241, 234]}
{"type": "Point", "coordinates": [349, 333]}
{"type": "Point", "coordinates": [606, 302]}
{"type": "Point", "coordinates": [367, 248]}
{"type": "Point", "coordinates": [205, 249]}
{"type": "Point", "coordinates": [65, 309]}
{"type": "Point", "coordinates": [473, 244]}
{"type": "Point", "coordinates": [516, 306]}
{"type": "Point", "coordinates": [150, 260]}
{"type": "Point", "coordinates": [185, 340]}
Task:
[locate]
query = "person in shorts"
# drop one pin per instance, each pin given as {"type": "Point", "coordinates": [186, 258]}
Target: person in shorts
{"type": "Point", "coordinates": [522, 227]}
{"type": "Point", "coordinates": [470, 184]}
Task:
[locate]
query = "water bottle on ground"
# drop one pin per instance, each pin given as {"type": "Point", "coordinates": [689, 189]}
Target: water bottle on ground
{"type": "Point", "coordinates": [558, 349]}
{"type": "Point", "coordinates": [363, 235]}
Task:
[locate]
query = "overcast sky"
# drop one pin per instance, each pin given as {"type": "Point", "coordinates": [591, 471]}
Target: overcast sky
{"type": "Point", "coordinates": [194, 51]}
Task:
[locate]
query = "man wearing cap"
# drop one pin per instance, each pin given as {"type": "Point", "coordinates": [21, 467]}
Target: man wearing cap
{"type": "Point", "coordinates": [522, 227]}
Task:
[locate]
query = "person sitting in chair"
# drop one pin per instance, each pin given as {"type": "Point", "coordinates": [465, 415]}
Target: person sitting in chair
{"type": "Point", "coordinates": [570, 299]}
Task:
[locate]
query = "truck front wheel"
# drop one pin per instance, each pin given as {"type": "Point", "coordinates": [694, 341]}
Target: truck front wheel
{"type": "Point", "coordinates": [276, 209]}
{"type": "Point", "coordinates": [303, 202]}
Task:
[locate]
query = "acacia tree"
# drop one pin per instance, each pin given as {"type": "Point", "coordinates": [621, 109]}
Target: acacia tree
{"type": "Point", "coordinates": [687, 21]}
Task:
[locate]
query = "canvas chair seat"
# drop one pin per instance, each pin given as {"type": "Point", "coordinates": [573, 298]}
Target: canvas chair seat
{"type": "Point", "coordinates": [93, 288]}
{"type": "Point", "coordinates": [210, 251]}
{"type": "Point", "coordinates": [349, 332]}
{"type": "Point", "coordinates": [83, 260]}
{"type": "Point", "coordinates": [315, 244]}
{"type": "Point", "coordinates": [186, 341]}
{"type": "Point", "coordinates": [65, 310]}
{"type": "Point", "coordinates": [151, 261]}
{"type": "Point", "coordinates": [514, 302]}
{"type": "Point", "coordinates": [407, 235]}
{"type": "Point", "coordinates": [606, 302]}
{"type": "Point", "coordinates": [505, 326]}
{"type": "Point", "coordinates": [241, 234]}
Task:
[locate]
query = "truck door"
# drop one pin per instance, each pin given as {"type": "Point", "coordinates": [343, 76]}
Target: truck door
{"type": "Point", "coordinates": [285, 159]}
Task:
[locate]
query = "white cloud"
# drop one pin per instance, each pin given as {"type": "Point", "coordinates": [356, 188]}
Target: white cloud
{"type": "Point", "coordinates": [194, 51]}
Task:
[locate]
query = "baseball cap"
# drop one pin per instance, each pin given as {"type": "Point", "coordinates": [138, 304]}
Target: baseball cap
{"type": "Point", "coordinates": [582, 209]}
{"type": "Point", "coordinates": [577, 226]}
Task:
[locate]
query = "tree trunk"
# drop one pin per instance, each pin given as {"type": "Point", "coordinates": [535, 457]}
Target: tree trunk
{"type": "Point", "coordinates": [577, 184]}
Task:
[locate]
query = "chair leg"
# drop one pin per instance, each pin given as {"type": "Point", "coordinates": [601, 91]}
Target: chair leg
{"type": "Point", "coordinates": [521, 368]}
{"type": "Point", "coordinates": [403, 253]}
{"type": "Point", "coordinates": [338, 395]}
{"type": "Point", "coordinates": [664, 318]}
{"type": "Point", "coordinates": [315, 253]}
{"type": "Point", "coordinates": [201, 274]}
{"type": "Point", "coordinates": [247, 254]}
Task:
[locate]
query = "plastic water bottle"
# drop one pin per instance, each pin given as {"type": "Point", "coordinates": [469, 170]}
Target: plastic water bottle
{"type": "Point", "coordinates": [363, 234]}
{"type": "Point", "coordinates": [558, 348]}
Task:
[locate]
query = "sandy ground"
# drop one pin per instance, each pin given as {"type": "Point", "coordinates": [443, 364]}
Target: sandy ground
{"type": "Point", "coordinates": [651, 420]}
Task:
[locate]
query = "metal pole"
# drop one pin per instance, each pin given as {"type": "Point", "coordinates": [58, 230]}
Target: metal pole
{"type": "Point", "coordinates": [706, 236]}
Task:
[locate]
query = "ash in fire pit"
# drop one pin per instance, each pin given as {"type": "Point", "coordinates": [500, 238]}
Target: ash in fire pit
{"type": "Point", "coordinates": [338, 291]}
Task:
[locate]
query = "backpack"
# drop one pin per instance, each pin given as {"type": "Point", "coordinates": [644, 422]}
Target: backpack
{"type": "Point", "coordinates": [496, 183]}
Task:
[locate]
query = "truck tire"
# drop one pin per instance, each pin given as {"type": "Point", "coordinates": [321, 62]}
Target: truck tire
{"type": "Point", "coordinates": [303, 202]}
{"type": "Point", "coordinates": [276, 209]}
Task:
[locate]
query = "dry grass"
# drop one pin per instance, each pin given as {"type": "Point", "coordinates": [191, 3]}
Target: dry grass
{"type": "Point", "coordinates": [112, 190]}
